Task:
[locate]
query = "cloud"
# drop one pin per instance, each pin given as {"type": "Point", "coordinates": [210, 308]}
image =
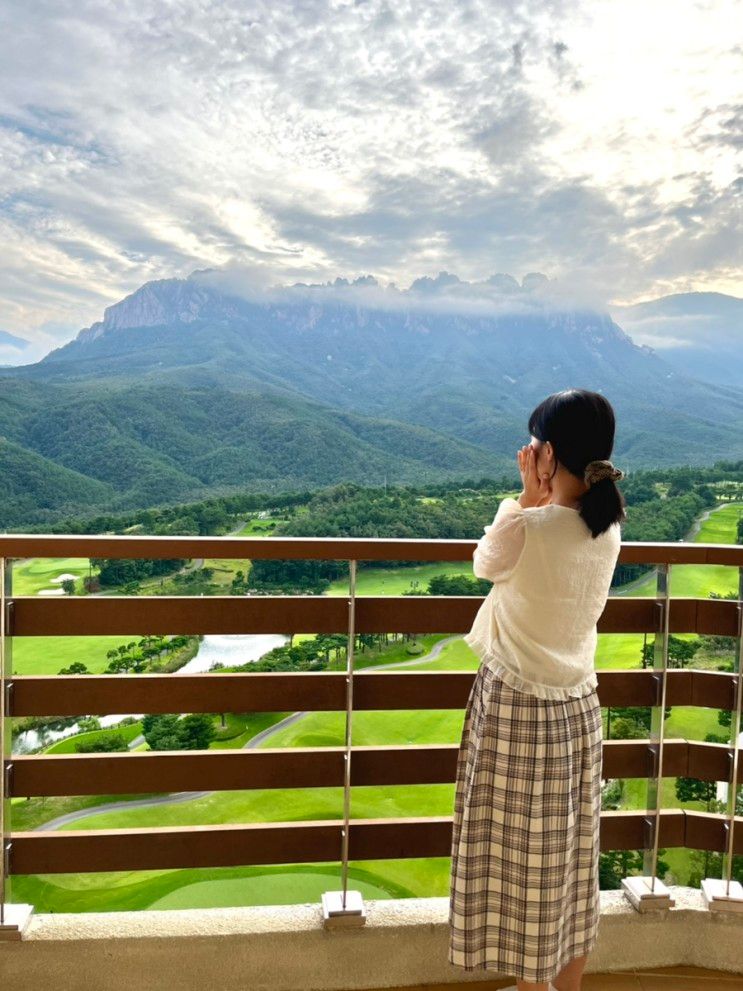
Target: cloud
{"type": "Point", "coordinates": [500, 295]}
{"type": "Point", "coordinates": [300, 140]}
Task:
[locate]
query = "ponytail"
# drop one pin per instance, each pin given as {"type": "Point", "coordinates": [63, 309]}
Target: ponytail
{"type": "Point", "coordinates": [602, 504]}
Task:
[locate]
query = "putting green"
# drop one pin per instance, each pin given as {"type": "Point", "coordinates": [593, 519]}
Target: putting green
{"type": "Point", "coordinates": [283, 886]}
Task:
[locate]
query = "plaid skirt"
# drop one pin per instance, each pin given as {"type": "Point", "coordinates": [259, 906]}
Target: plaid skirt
{"type": "Point", "coordinates": [524, 895]}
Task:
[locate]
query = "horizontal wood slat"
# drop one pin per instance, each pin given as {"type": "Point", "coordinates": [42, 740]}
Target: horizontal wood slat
{"type": "Point", "coordinates": [82, 851]}
{"type": "Point", "coordinates": [323, 548]}
{"type": "Point", "coordinates": [325, 691]}
{"type": "Point", "coordinates": [226, 614]}
{"type": "Point", "coordinates": [706, 831]}
{"type": "Point", "coordinates": [307, 767]}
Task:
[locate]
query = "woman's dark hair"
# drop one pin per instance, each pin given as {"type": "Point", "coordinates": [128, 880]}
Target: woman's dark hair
{"type": "Point", "coordinates": [580, 425]}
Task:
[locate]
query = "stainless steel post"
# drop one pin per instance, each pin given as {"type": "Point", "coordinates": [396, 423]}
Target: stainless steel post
{"type": "Point", "coordinates": [13, 917]}
{"type": "Point", "coordinates": [346, 908]}
{"type": "Point", "coordinates": [724, 894]}
{"type": "Point", "coordinates": [647, 892]}
{"type": "Point", "coordinates": [349, 733]}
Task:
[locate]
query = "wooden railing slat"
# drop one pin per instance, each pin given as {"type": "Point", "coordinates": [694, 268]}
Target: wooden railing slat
{"type": "Point", "coordinates": [312, 842]}
{"type": "Point", "coordinates": [309, 767]}
{"type": "Point", "coordinates": [235, 614]}
{"type": "Point", "coordinates": [323, 691]}
{"type": "Point", "coordinates": [323, 548]}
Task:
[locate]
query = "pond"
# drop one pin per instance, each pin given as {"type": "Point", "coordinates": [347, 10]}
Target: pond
{"type": "Point", "coordinates": [227, 650]}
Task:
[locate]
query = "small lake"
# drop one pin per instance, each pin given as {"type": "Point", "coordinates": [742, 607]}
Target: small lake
{"type": "Point", "coordinates": [215, 648]}
{"type": "Point", "coordinates": [232, 649]}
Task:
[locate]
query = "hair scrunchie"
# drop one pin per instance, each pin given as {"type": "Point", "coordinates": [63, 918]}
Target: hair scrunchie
{"type": "Point", "coordinates": [596, 471]}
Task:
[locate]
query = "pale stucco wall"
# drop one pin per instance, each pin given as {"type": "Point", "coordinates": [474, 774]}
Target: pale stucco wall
{"type": "Point", "coordinates": [286, 948]}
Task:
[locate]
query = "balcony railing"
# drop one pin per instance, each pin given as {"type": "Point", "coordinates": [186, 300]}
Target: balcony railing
{"type": "Point", "coordinates": [347, 838]}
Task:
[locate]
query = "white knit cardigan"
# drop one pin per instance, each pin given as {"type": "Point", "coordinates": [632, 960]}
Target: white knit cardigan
{"type": "Point", "coordinates": [536, 627]}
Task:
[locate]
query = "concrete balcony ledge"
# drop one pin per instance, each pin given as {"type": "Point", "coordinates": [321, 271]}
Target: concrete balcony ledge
{"type": "Point", "coordinates": [286, 948]}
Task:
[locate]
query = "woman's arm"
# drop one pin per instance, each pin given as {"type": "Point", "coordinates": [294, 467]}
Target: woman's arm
{"type": "Point", "coordinates": [500, 547]}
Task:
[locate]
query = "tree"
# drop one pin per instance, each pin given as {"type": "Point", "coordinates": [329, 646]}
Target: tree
{"type": "Point", "coordinates": [197, 731]}
{"type": "Point", "coordinates": [679, 652]}
{"type": "Point", "coordinates": [614, 865]}
{"type": "Point", "coordinates": [111, 743]}
{"type": "Point", "coordinates": [173, 732]}
{"type": "Point", "coordinates": [77, 667]}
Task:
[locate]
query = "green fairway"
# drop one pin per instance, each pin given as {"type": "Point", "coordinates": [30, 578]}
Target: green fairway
{"type": "Point", "coordinates": [67, 746]}
{"type": "Point", "coordinates": [46, 655]}
{"type": "Point", "coordinates": [395, 581]}
{"type": "Point", "coordinates": [292, 885]}
{"type": "Point", "coordinates": [128, 891]}
{"type": "Point", "coordinates": [257, 527]}
{"type": "Point", "coordinates": [700, 580]}
{"type": "Point", "coordinates": [35, 574]}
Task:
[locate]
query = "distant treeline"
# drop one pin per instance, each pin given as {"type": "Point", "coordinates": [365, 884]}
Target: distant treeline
{"type": "Point", "coordinates": [662, 506]}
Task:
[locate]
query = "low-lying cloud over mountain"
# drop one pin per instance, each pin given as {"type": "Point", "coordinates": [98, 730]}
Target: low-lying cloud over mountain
{"type": "Point", "coordinates": [699, 334]}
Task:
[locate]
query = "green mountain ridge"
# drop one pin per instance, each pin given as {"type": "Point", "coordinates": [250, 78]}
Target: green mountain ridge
{"type": "Point", "coordinates": [154, 443]}
{"type": "Point", "coordinates": [185, 390]}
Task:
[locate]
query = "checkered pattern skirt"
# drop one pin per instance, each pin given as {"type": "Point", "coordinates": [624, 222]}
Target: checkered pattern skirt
{"type": "Point", "coordinates": [524, 895]}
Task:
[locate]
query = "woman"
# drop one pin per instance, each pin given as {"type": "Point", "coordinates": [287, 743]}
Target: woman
{"type": "Point", "coordinates": [525, 839]}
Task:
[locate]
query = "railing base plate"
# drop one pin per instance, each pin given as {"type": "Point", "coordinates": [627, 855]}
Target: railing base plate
{"type": "Point", "coordinates": [15, 919]}
{"type": "Point", "coordinates": [335, 916]}
{"type": "Point", "coordinates": [715, 898]}
{"type": "Point", "coordinates": [639, 894]}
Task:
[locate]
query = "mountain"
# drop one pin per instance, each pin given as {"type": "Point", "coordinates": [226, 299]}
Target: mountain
{"type": "Point", "coordinates": [11, 348]}
{"type": "Point", "coordinates": [68, 447]}
{"type": "Point", "coordinates": [189, 387]}
{"type": "Point", "coordinates": [697, 333]}
{"type": "Point", "coordinates": [468, 360]}
{"type": "Point", "coordinates": [34, 488]}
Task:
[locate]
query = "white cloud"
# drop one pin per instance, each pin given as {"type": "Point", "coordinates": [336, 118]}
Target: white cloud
{"type": "Point", "coordinates": [139, 140]}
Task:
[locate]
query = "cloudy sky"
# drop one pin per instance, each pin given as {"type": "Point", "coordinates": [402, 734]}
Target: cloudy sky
{"type": "Point", "coordinates": [594, 141]}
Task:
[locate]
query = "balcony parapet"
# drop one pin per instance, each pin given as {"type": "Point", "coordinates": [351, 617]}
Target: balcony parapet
{"type": "Point", "coordinates": [286, 947]}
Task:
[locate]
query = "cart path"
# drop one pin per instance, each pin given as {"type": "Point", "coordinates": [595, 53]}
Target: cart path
{"type": "Point", "coordinates": [693, 531]}
{"type": "Point", "coordinates": [188, 796]}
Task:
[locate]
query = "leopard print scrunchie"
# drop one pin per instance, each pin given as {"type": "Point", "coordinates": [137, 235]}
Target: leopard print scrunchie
{"type": "Point", "coordinates": [597, 470]}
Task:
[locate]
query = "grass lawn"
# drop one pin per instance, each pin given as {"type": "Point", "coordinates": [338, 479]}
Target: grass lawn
{"type": "Point", "coordinates": [225, 570]}
{"type": "Point", "coordinates": [34, 574]}
{"type": "Point", "coordinates": [227, 886]}
{"type": "Point", "coordinates": [67, 746]}
{"type": "Point", "coordinates": [395, 581]}
{"type": "Point", "coordinates": [256, 527]}
{"type": "Point", "coordinates": [47, 655]}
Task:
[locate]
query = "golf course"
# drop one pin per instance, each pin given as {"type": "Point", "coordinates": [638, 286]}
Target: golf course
{"type": "Point", "coordinates": [282, 884]}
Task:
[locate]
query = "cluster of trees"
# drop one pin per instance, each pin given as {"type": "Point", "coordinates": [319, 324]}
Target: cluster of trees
{"type": "Point", "coordinates": [115, 572]}
{"type": "Point", "coordinates": [137, 655]}
{"type": "Point", "coordinates": [108, 744]}
{"type": "Point", "coordinates": [208, 517]}
{"type": "Point", "coordinates": [174, 732]}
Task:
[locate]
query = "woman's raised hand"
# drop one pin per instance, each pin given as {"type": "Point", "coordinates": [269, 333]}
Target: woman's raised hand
{"type": "Point", "coordinates": [536, 491]}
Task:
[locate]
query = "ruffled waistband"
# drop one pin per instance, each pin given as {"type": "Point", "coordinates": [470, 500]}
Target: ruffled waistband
{"type": "Point", "coordinates": [515, 681]}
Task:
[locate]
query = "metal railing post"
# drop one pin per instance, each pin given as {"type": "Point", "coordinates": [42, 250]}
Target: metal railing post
{"type": "Point", "coordinates": [346, 908]}
{"type": "Point", "coordinates": [13, 917]}
{"type": "Point", "coordinates": [647, 892]}
{"type": "Point", "coordinates": [723, 894]}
